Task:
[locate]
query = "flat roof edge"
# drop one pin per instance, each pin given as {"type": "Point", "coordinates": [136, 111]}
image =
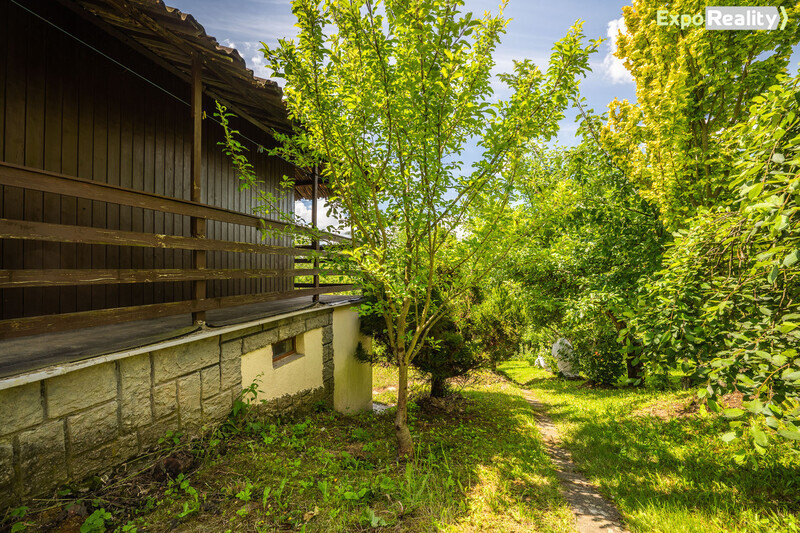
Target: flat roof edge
{"type": "Point", "coordinates": [65, 368]}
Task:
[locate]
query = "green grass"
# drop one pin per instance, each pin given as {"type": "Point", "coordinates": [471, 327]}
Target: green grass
{"type": "Point", "coordinates": [667, 473]}
{"type": "Point", "coordinates": [480, 466]}
{"type": "Point", "coordinates": [384, 384]}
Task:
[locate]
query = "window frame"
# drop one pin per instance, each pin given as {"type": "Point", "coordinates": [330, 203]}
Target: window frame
{"type": "Point", "coordinates": [281, 356]}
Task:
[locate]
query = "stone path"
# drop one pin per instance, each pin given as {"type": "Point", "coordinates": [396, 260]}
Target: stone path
{"type": "Point", "coordinates": [593, 513]}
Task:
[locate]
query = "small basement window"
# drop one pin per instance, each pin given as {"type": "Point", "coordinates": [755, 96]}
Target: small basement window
{"type": "Point", "coordinates": [284, 349]}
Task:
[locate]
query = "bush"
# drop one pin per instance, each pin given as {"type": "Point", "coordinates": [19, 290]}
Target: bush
{"type": "Point", "coordinates": [446, 353]}
{"type": "Point", "coordinates": [603, 367]}
{"type": "Point", "coordinates": [725, 308]}
{"type": "Point", "coordinates": [598, 353]}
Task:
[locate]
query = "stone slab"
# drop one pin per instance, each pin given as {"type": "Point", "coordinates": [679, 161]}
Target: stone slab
{"type": "Point", "coordinates": [105, 457]}
{"type": "Point", "coordinates": [80, 389]}
{"type": "Point", "coordinates": [6, 463]}
{"type": "Point", "coordinates": [165, 400]}
{"type": "Point", "coordinates": [91, 428]}
{"type": "Point", "coordinates": [216, 409]}
{"type": "Point", "coordinates": [21, 407]}
{"type": "Point", "coordinates": [42, 457]}
{"type": "Point", "coordinates": [231, 365]}
{"type": "Point", "coordinates": [182, 359]}
{"type": "Point", "coordinates": [189, 394]}
{"type": "Point", "coordinates": [327, 335]}
{"type": "Point", "coordinates": [291, 330]}
{"type": "Point", "coordinates": [134, 375]}
{"type": "Point", "coordinates": [255, 342]}
{"type": "Point", "coordinates": [319, 321]}
{"type": "Point", "coordinates": [210, 380]}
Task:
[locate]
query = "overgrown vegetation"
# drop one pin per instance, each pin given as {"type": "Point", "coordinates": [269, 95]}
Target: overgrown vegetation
{"type": "Point", "coordinates": [667, 240]}
{"type": "Point", "coordinates": [480, 465]}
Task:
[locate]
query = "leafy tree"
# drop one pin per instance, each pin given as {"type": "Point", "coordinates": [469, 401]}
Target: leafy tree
{"type": "Point", "coordinates": [591, 238]}
{"type": "Point", "coordinates": [692, 86]}
{"type": "Point", "coordinates": [387, 96]}
{"type": "Point", "coordinates": [449, 350]}
{"type": "Point", "coordinates": [726, 307]}
{"type": "Point", "coordinates": [494, 317]}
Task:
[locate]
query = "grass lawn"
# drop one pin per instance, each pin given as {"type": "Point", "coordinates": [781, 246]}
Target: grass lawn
{"type": "Point", "coordinates": [663, 464]}
{"type": "Point", "coordinates": [480, 466]}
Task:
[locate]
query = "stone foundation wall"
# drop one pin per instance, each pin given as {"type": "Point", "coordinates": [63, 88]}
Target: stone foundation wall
{"type": "Point", "coordinates": [86, 421]}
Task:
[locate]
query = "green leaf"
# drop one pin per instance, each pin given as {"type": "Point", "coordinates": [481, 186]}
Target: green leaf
{"type": "Point", "coordinates": [754, 406]}
{"type": "Point", "coordinates": [786, 327]}
{"type": "Point", "coordinates": [789, 434]}
{"type": "Point", "coordinates": [792, 258]}
{"type": "Point", "coordinates": [773, 275]}
{"type": "Point", "coordinates": [793, 376]}
{"type": "Point", "coordinates": [754, 190]}
{"type": "Point", "coordinates": [729, 436]}
{"type": "Point", "coordinates": [713, 406]}
{"type": "Point", "coordinates": [733, 412]}
{"type": "Point", "coordinates": [759, 437]}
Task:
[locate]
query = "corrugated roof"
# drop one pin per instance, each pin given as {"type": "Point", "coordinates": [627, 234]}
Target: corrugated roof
{"type": "Point", "coordinates": [173, 37]}
{"type": "Point", "coordinates": [303, 184]}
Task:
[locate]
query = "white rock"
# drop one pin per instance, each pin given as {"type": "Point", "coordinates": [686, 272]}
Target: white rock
{"type": "Point", "coordinates": [562, 351]}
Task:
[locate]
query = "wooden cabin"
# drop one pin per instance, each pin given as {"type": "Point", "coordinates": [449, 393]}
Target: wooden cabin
{"type": "Point", "coordinates": [128, 247]}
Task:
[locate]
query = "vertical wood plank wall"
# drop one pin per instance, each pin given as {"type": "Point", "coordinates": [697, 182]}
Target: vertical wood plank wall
{"type": "Point", "coordinates": [67, 109]}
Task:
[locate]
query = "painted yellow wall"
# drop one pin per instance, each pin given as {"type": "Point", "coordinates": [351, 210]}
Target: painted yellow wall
{"type": "Point", "coordinates": [352, 380]}
{"type": "Point", "coordinates": [295, 376]}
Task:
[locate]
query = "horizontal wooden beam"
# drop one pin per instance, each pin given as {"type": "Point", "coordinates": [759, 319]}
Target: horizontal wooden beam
{"type": "Point", "coordinates": [305, 285]}
{"type": "Point", "coordinates": [41, 180]}
{"type": "Point", "coordinates": [42, 231]}
{"type": "Point", "coordinates": [11, 279]}
{"type": "Point", "coordinates": [21, 327]}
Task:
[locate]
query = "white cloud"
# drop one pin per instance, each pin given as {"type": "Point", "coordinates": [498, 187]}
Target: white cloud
{"type": "Point", "coordinates": [253, 57]}
{"type": "Point", "coordinates": [612, 66]}
{"type": "Point", "coordinates": [302, 208]}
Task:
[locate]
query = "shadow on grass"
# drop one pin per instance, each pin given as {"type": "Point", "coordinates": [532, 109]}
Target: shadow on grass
{"type": "Point", "coordinates": [678, 465]}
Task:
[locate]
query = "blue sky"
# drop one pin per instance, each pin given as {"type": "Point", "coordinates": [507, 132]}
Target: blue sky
{"type": "Point", "coordinates": [535, 26]}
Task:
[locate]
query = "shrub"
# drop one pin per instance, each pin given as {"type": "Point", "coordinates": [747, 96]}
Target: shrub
{"type": "Point", "coordinates": [598, 353]}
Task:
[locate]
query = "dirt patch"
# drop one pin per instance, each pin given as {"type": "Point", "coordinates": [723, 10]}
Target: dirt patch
{"type": "Point", "coordinates": [356, 449]}
{"type": "Point", "coordinates": [671, 409]}
{"type": "Point", "coordinates": [122, 492]}
{"type": "Point", "coordinates": [451, 404]}
{"type": "Point", "coordinates": [733, 399]}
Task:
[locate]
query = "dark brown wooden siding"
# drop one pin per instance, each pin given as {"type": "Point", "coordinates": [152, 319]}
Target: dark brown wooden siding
{"type": "Point", "coordinates": [65, 108]}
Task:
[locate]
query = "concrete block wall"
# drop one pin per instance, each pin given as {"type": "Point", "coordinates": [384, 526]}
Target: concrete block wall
{"type": "Point", "coordinates": [89, 419]}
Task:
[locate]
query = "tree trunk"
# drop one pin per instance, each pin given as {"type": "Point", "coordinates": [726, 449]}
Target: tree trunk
{"type": "Point", "coordinates": [405, 447]}
{"type": "Point", "coordinates": [438, 387]}
{"type": "Point", "coordinates": [633, 371]}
